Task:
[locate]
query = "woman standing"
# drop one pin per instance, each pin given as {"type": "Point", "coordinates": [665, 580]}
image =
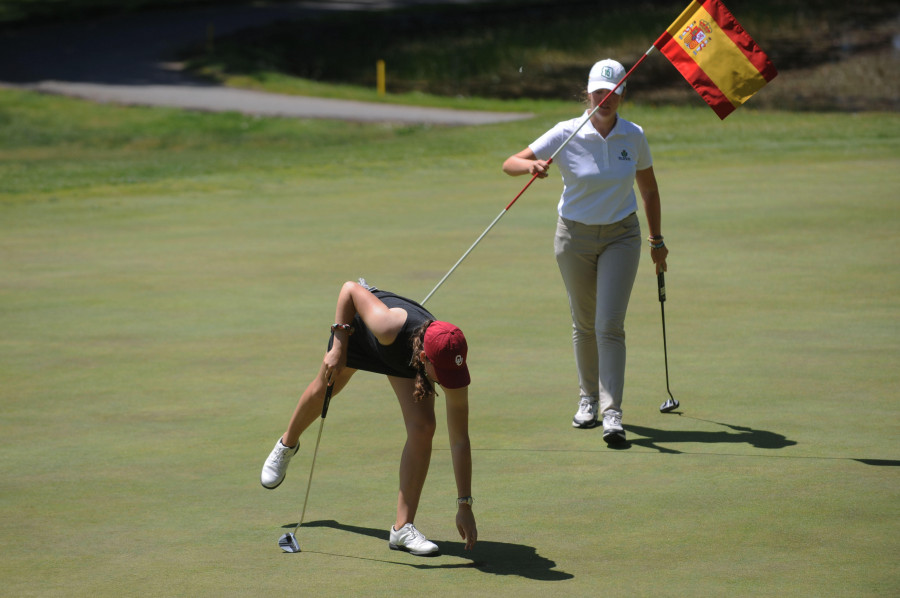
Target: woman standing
{"type": "Point", "coordinates": [598, 236]}
{"type": "Point", "coordinates": [381, 332]}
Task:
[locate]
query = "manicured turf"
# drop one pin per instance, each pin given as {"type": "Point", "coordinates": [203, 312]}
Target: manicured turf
{"type": "Point", "coordinates": [166, 285]}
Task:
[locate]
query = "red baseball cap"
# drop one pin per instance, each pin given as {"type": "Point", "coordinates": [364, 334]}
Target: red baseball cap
{"type": "Point", "coordinates": [446, 349]}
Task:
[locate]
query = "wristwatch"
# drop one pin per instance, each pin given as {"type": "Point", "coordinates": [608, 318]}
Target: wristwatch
{"type": "Point", "coordinates": [465, 500]}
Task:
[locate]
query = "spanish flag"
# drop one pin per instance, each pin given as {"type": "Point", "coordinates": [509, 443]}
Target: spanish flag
{"type": "Point", "coordinates": [716, 55]}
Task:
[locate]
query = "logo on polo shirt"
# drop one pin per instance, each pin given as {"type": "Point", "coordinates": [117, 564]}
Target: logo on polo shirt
{"type": "Point", "coordinates": [624, 156]}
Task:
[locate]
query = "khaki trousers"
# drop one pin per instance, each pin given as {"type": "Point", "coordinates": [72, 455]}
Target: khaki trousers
{"type": "Point", "coordinates": [599, 264]}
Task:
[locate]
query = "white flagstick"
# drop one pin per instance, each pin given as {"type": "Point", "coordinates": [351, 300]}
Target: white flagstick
{"type": "Point", "coordinates": [550, 161]}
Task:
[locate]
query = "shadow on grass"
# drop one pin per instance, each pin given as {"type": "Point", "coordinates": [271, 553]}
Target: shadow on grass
{"type": "Point", "coordinates": [740, 435]}
{"type": "Point", "coordinates": [498, 558]}
{"type": "Point", "coordinates": [880, 462]}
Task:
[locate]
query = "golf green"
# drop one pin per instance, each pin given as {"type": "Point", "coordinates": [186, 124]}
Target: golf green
{"type": "Point", "coordinates": [166, 286]}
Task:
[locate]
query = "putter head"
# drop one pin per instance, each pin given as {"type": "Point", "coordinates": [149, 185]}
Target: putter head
{"type": "Point", "coordinates": [288, 543]}
{"type": "Point", "coordinates": [671, 404]}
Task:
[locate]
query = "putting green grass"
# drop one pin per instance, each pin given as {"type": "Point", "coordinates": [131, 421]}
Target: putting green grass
{"type": "Point", "coordinates": [166, 285]}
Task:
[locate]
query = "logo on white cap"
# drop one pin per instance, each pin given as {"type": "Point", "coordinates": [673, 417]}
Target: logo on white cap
{"type": "Point", "coordinates": [606, 74]}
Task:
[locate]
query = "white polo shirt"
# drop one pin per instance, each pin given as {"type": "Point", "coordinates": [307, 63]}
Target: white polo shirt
{"type": "Point", "coordinates": [598, 173]}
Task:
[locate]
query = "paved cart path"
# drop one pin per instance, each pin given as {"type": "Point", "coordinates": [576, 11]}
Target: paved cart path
{"type": "Point", "coordinates": [128, 59]}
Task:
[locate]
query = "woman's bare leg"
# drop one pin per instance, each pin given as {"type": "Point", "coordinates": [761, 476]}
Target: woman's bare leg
{"type": "Point", "coordinates": [420, 426]}
{"type": "Point", "coordinates": [309, 407]}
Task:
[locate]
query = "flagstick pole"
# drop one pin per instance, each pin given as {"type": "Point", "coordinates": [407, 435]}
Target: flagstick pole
{"type": "Point", "coordinates": [550, 161]}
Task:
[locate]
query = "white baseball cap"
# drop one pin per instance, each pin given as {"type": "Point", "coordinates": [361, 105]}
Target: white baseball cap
{"type": "Point", "coordinates": [605, 75]}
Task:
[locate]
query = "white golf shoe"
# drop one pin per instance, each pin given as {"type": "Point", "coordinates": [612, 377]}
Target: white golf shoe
{"type": "Point", "coordinates": [409, 539]}
{"type": "Point", "coordinates": [275, 467]}
{"type": "Point", "coordinates": [586, 417]}
{"type": "Point", "coordinates": [613, 432]}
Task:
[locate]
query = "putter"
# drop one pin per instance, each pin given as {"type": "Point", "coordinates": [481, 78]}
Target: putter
{"type": "Point", "coordinates": [671, 403]}
{"type": "Point", "coordinates": [288, 542]}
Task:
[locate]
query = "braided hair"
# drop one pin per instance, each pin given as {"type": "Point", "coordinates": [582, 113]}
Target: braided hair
{"type": "Point", "coordinates": [424, 388]}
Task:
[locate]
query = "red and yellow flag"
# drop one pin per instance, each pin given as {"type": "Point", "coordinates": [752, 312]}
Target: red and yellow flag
{"type": "Point", "coordinates": [716, 55]}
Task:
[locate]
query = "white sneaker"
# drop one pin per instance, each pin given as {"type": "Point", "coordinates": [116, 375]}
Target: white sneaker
{"type": "Point", "coordinates": [613, 432]}
{"type": "Point", "coordinates": [409, 539]}
{"type": "Point", "coordinates": [275, 467]}
{"type": "Point", "coordinates": [587, 413]}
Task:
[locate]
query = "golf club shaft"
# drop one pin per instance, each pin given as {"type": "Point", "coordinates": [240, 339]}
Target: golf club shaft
{"type": "Point", "coordinates": [528, 184]}
{"type": "Point", "coordinates": [312, 467]}
{"type": "Point", "coordinates": [661, 284]}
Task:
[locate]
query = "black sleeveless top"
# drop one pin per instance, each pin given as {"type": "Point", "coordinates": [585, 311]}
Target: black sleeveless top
{"type": "Point", "coordinates": [364, 352]}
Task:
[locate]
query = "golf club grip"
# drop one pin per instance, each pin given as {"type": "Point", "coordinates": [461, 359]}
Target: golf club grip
{"type": "Point", "coordinates": [661, 283]}
{"type": "Point", "coordinates": [328, 390]}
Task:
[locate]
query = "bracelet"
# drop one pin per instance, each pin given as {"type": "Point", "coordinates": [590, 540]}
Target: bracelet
{"type": "Point", "coordinates": [465, 500]}
{"type": "Point", "coordinates": [659, 245]}
{"type": "Point", "coordinates": [655, 238]}
{"type": "Point", "coordinates": [346, 327]}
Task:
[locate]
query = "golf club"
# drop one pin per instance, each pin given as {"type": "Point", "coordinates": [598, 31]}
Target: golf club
{"type": "Point", "coordinates": [671, 403]}
{"type": "Point", "coordinates": [288, 542]}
